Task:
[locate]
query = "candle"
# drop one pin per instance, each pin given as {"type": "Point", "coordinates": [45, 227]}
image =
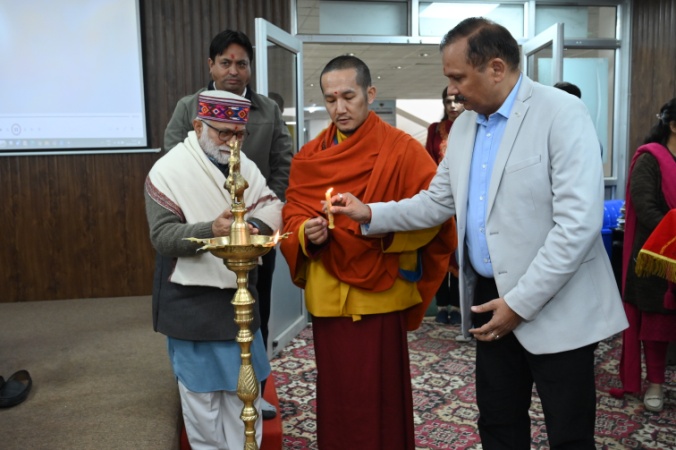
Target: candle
{"type": "Point", "coordinates": [328, 208]}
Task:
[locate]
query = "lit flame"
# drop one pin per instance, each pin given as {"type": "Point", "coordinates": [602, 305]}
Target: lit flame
{"type": "Point", "coordinates": [328, 205]}
{"type": "Point", "coordinates": [275, 238]}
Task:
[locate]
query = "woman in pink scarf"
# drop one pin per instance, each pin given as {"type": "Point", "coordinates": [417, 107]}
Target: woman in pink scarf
{"type": "Point", "coordinates": [448, 294]}
{"type": "Point", "coordinates": [651, 193]}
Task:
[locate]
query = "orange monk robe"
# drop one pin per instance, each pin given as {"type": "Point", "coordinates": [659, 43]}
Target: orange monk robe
{"type": "Point", "coordinates": [377, 163]}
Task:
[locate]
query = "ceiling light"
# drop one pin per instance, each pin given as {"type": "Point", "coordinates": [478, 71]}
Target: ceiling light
{"type": "Point", "coordinates": [313, 108]}
{"type": "Point", "coordinates": [457, 10]}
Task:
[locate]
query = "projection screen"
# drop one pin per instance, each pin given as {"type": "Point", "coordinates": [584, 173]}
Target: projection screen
{"type": "Point", "coordinates": [71, 78]}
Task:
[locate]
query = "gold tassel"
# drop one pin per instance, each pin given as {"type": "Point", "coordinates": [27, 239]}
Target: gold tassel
{"type": "Point", "coordinates": [649, 263]}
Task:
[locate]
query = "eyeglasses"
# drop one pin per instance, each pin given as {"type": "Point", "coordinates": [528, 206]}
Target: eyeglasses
{"type": "Point", "coordinates": [226, 135]}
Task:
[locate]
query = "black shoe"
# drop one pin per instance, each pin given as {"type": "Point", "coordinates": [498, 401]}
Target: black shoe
{"type": "Point", "coordinates": [442, 317]}
{"type": "Point", "coordinates": [15, 389]}
{"type": "Point", "coordinates": [454, 318]}
{"type": "Point", "coordinates": [268, 410]}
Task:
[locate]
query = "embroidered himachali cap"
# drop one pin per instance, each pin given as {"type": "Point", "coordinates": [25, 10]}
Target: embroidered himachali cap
{"type": "Point", "coordinates": [223, 106]}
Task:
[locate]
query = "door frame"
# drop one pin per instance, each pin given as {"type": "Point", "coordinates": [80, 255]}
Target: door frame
{"type": "Point", "coordinates": [551, 37]}
{"type": "Point", "coordinates": [284, 292]}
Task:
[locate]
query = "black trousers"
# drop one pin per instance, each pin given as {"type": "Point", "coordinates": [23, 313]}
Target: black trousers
{"type": "Point", "coordinates": [448, 293]}
{"type": "Point", "coordinates": [505, 373]}
{"type": "Point", "coordinates": [264, 288]}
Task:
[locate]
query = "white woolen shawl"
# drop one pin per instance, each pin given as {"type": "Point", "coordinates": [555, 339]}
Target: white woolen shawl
{"type": "Point", "coordinates": [194, 186]}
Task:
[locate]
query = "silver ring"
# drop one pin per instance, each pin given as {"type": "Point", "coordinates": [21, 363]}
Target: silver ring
{"type": "Point", "coordinates": [340, 197]}
{"type": "Point", "coordinates": [497, 336]}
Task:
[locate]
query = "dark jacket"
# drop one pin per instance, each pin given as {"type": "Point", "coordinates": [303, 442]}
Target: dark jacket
{"type": "Point", "coordinates": [647, 293]}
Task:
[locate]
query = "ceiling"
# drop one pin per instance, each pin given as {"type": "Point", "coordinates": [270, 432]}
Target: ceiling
{"type": "Point", "coordinates": [397, 71]}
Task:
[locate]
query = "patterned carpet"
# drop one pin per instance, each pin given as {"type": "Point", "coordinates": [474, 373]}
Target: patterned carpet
{"type": "Point", "coordinates": [443, 395]}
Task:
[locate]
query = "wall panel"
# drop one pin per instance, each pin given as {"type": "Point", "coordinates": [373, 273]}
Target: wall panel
{"type": "Point", "coordinates": [653, 79]}
{"type": "Point", "coordinates": [75, 226]}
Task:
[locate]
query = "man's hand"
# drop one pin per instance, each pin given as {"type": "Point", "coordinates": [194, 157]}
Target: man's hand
{"type": "Point", "coordinates": [504, 320]}
{"type": "Point", "coordinates": [316, 230]}
{"type": "Point", "coordinates": [349, 205]}
{"type": "Point", "coordinates": [222, 223]}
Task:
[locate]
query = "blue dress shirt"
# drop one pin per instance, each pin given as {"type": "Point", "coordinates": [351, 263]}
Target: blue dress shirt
{"type": "Point", "coordinates": [486, 144]}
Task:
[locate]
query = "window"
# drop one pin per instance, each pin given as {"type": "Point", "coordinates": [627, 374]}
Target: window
{"type": "Point", "coordinates": [437, 18]}
{"type": "Point", "coordinates": [592, 22]}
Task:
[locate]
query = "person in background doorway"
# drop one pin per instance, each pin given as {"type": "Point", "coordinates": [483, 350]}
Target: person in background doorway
{"type": "Point", "coordinates": [437, 132]}
{"type": "Point", "coordinates": [651, 194]}
{"type": "Point", "coordinates": [268, 144]}
{"type": "Point", "coordinates": [277, 99]}
{"type": "Point", "coordinates": [448, 294]}
{"type": "Point", "coordinates": [570, 88]}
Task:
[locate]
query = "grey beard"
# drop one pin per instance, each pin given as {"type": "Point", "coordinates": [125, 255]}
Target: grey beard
{"type": "Point", "coordinates": [211, 149]}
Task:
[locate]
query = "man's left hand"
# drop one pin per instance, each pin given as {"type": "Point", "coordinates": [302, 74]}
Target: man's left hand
{"type": "Point", "coordinates": [504, 320]}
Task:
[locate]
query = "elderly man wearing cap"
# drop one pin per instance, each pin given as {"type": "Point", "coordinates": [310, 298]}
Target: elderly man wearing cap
{"type": "Point", "coordinates": [186, 197]}
{"type": "Point", "coordinates": [269, 144]}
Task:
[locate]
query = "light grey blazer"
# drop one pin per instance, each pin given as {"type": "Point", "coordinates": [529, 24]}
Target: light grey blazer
{"type": "Point", "coordinates": [543, 222]}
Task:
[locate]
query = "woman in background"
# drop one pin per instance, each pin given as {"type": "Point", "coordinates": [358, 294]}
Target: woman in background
{"type": "Point", "coordinates": [651, 193]}
{"type": "Point", "coordinates": [448, 294]}
{"type": "Point", "coordinates": [437, 132]}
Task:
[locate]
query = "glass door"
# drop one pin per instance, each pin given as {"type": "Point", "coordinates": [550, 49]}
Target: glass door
{"type": "Point", "coordinates": [542, 56]}
{"type": "Point", "coordinates": [279, 75]}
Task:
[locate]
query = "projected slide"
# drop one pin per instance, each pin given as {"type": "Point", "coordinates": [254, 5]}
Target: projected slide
{"type": "Point", "coordinates": [71, 75]}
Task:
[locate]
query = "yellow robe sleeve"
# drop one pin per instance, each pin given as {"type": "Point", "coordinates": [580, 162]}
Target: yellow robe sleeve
{"type": "Point", "coordinates": [326, 296]}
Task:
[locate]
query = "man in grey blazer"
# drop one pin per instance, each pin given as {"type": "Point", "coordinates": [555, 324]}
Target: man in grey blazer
{"type": "Point", "coordinates": [536, 287]}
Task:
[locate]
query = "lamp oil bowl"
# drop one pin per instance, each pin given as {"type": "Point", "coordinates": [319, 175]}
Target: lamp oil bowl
{"type": "Point", "coordinates": [221, 247]}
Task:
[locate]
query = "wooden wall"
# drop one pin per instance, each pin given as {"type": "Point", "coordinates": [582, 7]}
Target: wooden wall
{"type": "Point", "coordinates": [653, 65]}
{"type": "Point", "coordinates": [75, 226]}
{"type": "Point", "coordinates": [176, 41]}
